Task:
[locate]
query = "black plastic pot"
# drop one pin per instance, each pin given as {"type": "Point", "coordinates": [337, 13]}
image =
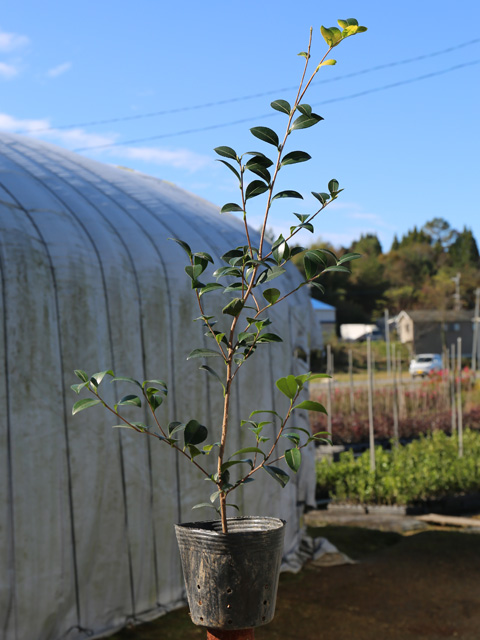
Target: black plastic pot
{"type": "Point", "coordinates": [231, 579]}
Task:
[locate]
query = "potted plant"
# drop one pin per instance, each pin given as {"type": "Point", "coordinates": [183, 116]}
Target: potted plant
{"type": "Point", "coordinates": [231, 565]}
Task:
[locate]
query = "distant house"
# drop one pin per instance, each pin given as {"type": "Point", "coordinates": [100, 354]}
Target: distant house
{"type": "Point", "coordinates": [326, 317]}
{"type": "Point", "coordinates": [430, 331]}
{"type": "Point", "coordinates": [359, 332]}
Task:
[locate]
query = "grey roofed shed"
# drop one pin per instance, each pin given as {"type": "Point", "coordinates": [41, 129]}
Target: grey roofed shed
{"type": "Point", "coordinates": [88, 279]}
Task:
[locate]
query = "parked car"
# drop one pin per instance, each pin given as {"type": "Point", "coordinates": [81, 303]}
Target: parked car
{"type": "Point", "coordinates": [425, 363]}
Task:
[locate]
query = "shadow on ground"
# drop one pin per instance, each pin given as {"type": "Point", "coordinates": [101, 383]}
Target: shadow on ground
{"type": "Point", "coordinates": [422, 586]}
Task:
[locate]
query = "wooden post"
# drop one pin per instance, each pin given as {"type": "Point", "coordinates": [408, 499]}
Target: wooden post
{"type": "Point", "coordinates": [224, 634]}
{"type": "Point", "coordinates": [387, 341]}
{"type": "Point", "coordinates": [370, 405]}
{"type": "Point", "coordinates": [395, 398]}
{"type": "Point", "coordinates": [476, 319]}
{"type": "Point", "coordinates": [350, 375]}
{"type": "Point", "coordinates": [459, 398]}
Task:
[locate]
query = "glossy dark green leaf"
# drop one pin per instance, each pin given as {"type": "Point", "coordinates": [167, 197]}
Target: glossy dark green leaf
{"type": "Point", "coordinates": [255, 188]}
{"type": "Point", "coordinates": [86, 403]}
{"type": "Point", "coordinates": [240, 452]}
{"type": "Point", "coordinates": [277, 474]}
{"type": "Point", "coordinates": [313, 262]}
{"type": "Point", "coordinates": [126, 379]}
{"type": "Point", "coordinates": [288, 386]}
{"type": "Point", "coordinates": [227, 271]}
{"type": "Point", "coordinates": [200, 505]}
{"type": "Point", "coordinates": [213, 373]}
{"type": "Point", "coordinates": [302, 216]}
{"type": "Point", "coordinates": [161, 383]}
{"type": "Point", "coordinates": [257, 411]}
{"type": "Point", "coordinates": [323, 198]}
{"type": "Point", "coordinates": [129, 400]}
{"type": "Point", "coordinates": [98, 377]}
{"type": "Point", "coordinates": [269, 337]}
{"type": "Point", "coordinates": [281, 105]}
{"type": "Point", "coordinates": [293, 437]}
{"type": "Point", "coordinates": [310, 405]}
{"type": "Point", "coordinates": [293, 457]}
{"type": "Point", "coordinates": [236, 286]}
{"type": "Point", "coordinates": [304, 122]}
{"type": "Point", "coordinates": [280, 250]}
{"type": "Point", "coordinates": [81, 374]}
{"type": "Point", "coordinates": [234, 307]}
{"type": "Point", "coordinates": [184, 246]}
{"type": "Point", "coordinates": [78, 387]}
{"type": "Point", "coordinates": [318, 286]}
{"type": "Point", "coordinates": [203, 353]}
{"type": "Point", "coordinates": [294, 157]}
{"type": "Point", "coordinates": [340, 268]}
{"type": "Point", "coordinates": [231, 463]}
{"type": "Point", "coordinates": [226, 152]}
{"type": "Point", "coordinates": [232, 169]}
{"type": "Point", "coordinates": [348, 257]}
{"type": "Point", "coordinates": [155, 401]}
{"type": "Point", "coordinates": [273, 272]}
{"type": "Point", "coordinates": [271, 295]}
{"type": "Point", "coordinates": [194, 433]}
{"type": "Point", "coordinates": [260, 170]}
{"type": "Point", "coordinates": [211, 286]}
{"type": "Point", "coordinates": [307, 226]}
{"type": "Point", "coordinates": [193, 271]}
{"type": "Point", "coordinates": [266, 135]}
{"type": "Point", "coordinates": [333, 186]}
{"type": "Point", "coordinates": [259, 158]}
{"type": "Point", "coordinates": [305, 109]}
{"type": "Point", "coordinates": [230, 206]}
{"type": "Point", "coordinates": [287, 194]}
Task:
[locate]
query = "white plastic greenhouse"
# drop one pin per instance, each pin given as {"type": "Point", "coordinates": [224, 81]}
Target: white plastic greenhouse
{"type": "Point", "coordinates": [90, 280]}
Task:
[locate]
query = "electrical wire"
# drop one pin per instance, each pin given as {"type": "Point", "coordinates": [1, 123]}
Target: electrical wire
{"type": "Point", "coordinates": [268, 115]}
{"type": "Point", "coordinates": [252, 96]}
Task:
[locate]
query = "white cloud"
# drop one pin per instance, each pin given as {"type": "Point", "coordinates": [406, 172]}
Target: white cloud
{"type": "Point", "coordinates": [178, 158]}
{"type": "Point", "coordinates": [59, 70]}
{"type": "Point", "coordinates": [70, 138]}
{"type": "Point", "coordinates": [12, 41]}
{"type": "Point", "coordinates": [8, 70]}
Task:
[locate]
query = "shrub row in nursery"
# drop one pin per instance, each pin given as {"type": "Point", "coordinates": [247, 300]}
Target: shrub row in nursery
{"type": "Point", "coordinates": [426, 469]}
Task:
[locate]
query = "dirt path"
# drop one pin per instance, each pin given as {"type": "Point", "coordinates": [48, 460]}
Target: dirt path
{"type": "Point", "coordinates": [423, 586]}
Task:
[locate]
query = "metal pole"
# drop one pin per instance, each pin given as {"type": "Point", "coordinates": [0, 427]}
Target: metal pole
{"type": "Point", "coordinates": [395, 397]}
{"type": "Point", "coordinates": [224, 634]}
{"type": "Point", "coordinates": [370, 405]}
{"type": "Point", "coordinates": [459, 398]}
{"type": "Point", "coordinates": [475, 332]}
{"type": "Point", "coordinates": [350, 375]}
{"type": "Point", "coordinates": [329, 390]}
{"type": "Point", "coordinates": [387, 341]}
{"type": "Point", "coordinates": [452, 388]}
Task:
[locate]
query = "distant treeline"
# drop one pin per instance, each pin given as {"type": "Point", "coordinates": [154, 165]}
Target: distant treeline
{"type": "Point", "coordinates": [419, 272]}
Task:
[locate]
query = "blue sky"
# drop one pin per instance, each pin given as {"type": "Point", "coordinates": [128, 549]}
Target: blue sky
{"type": "Point", "coordinates": [403, 153]}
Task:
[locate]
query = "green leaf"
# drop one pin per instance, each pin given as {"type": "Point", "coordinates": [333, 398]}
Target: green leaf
{"type": "Point", "coordinates": [272, 273]}
{"type": "Point", "coordinates": [305, 109]}
{"type": "Point", "coordinates": [321, 197]}
{"type": "Point", "coordinates": [234, 307]}
{"type": "Point", "coordinates": [184, 246]}
{"type": "Point", "coordinates": [259, 170]}
{"type": "Point", "coordinates": [203, 353]}
{"type": "Point", "coordinates": [127, 379]}
{"type": "Point", "coordinates": [174, 427]}
{"type": "Point", "coordinates": [271, 295]}
{"type": "Point", "coordinates": [269, 337]}
{"type": "Point", "coordinates": [304, 54]}
{"type": "Point", "coordinates": [231, 463]}
{"type": "Point", "coordinates": [316, 376]}
{"type": "Point", "coordinates": [84, 404]}
{"type": "Point", "coordinates": [98, 377]}
{"type": "Point", "coordinates": [155, 401]}
{"type": "Point", "coordinates": [258, 158]}
{"type": "Point", "coordinates": [78, 387]}
{"type": "Point", "coordinates": [129, 400]}
{"type": "Point", "coordinates": [123, 426]}
{"type": "Point", "coordinates": [227, 271]}
{"type": "Point", "coordinates": [293, 457]}
{"type": "Point", "coordinates": [204, 504]}
{"type": "Point", "coordinates": [194, 433]}
{"type": "Point", "coordinates": [213, 373]}
{"type": "Point", "coordinates": [232, 169]}
{"type": "Point", "coordinates": [287, 194]}
{"type": "Point", "coordinates": [81, 374]}
{"type": "Point", "coordinates": [255, 188]}
{"type": "Point", "coordinates": [313, 262]}
{"type": "Point", "coordinates": [230, 206]}
{"type": "Point", "coordinates": [277, 474]}
{"type": "Point", "coordinates": [326, 63]}
{"type": "Point", "coordinates": [281, 105]}
{"type": "Point", "coordinates": [293, 437]}
{"type": "Point", "coordinates": [338, 268]}
{"type": "Point", "coordinates": [347, 257]}
{"type": "Point", "coordinates": [327, 35]}
{"type": "Point", "coordinates": [265, 411]}
{"type": "Point", "coordinates": [159, 382]}
{"type": "Point", "coordinates": [294, 157]}
{"type": "Point", "coordinates": [265, 134]}
{"type": "Point", "coordinates": [310, 405]}
{"type": "Point", "coordinates": [333, 186]}
{"type": "Point", "coordinates": [240, 452]}
{"type": "Point", "coordinates": [288, 386]}
{"type": "Point", "coordinates": [304, 122]}
{"type": "Point", "coordinates": [211, 286]}
{"type": "Point", "coordinates": [226, 152]}
{"type": "Point", "coordinates": [193, 271]}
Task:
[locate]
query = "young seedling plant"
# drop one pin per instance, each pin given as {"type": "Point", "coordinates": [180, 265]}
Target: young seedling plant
{"type": "Point", "coordinates": [242, 326]}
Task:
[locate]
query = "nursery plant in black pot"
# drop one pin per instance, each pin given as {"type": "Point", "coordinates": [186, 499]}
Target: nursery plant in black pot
{"type": "Point", "coordinates": [231, 565]}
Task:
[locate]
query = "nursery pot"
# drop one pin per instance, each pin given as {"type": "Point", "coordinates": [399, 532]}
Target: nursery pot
{"type": "Point", "coordinates": [231, 578]}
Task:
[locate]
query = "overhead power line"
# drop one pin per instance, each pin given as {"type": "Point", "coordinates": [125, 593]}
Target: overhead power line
{"type": "Point", "coordinates": [268, 115]}
{"type": "Point", "coordinates": [216, 103]}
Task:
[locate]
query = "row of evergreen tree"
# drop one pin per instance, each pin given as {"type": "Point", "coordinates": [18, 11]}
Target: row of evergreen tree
{"type": "Point", "coordinates": [418, 272]}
